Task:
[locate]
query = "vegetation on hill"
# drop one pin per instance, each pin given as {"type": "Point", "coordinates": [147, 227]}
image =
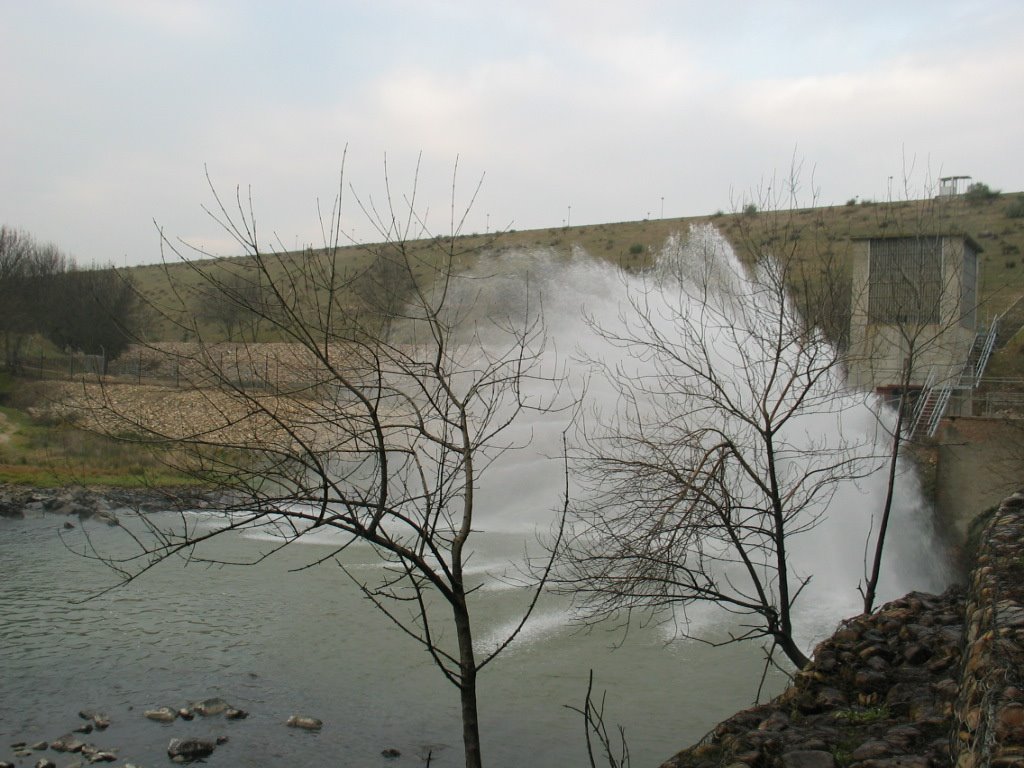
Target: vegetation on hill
{"type": "Point", "coordinates": [995, 220]}
{"type": "Point", "coordinates": [174, 300]}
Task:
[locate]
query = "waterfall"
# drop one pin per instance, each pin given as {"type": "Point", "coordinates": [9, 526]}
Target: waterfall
{"type": "Point", "coordinates": [519, 494]}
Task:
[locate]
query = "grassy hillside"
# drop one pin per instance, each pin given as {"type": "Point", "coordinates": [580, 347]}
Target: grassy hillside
{"type": "Point", "coordinates": [996, 222]}
{"type": "Point", "coordinates": [45, 454]}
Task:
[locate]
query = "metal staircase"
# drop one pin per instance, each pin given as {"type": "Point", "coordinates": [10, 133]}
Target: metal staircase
{"type": "Point", "coordinates": [932, 401]}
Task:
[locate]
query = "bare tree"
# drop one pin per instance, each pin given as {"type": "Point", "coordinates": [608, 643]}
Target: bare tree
{"type": "Point", "coordinates": [92, 310]}
{"type": "Point", "coordinates": [27, 271]}
{"type": "Point", "coordinates": [715, 458]}
{"type": "Point", "coordinates": [383, 439]}
{"type": "Point", "coordinates": [15, 251]}
{"type": "Point", "coordinates": [44, 291]}
{"type": "Point", "coordinates": [914, 335]}
{"type": "Point", "coordinates": [596, 729]}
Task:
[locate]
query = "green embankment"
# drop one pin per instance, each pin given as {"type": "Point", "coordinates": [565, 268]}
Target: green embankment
{"type": "Point", "coordinates": [46, 454]}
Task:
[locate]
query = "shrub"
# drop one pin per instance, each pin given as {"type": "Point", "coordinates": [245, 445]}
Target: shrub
{"type": "Point", "coordinates": [636, 249]}
{"type": "Point", "coordinates": [980, 193]}
{"type": "Point", "coordinates": [750, 209]}
{"type": "Point", "coordinates": [852, 201]}
{"type": "Point", "coordinates": [1015, 210]}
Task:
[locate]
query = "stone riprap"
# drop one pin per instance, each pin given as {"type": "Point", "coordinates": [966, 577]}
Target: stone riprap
{"type": "Point", "coordinates": [926, 681]}
{"type": "Point", "coordinates": [100, 504]}
{"type": "Point", "coordinates": [878, 694]}
{"type": "Point", "coordinates": [990, 707]}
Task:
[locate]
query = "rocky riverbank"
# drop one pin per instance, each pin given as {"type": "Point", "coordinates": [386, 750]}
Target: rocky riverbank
{"type": "Point", "coordinates": [101, 504]}
{"type": "Point", "coordinates": [926, 681]}
{"type": "Point", "coordinates": [182, 748]}
{"type": "Point", "coordinates": [878, 694]}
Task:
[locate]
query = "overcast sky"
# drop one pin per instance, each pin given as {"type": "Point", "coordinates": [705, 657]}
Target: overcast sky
{"type": "Point", "coordinates": [581, 109]}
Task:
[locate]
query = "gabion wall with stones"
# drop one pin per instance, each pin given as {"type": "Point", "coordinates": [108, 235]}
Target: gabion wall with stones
{"type": "Point", "coordinates": [990, 707]}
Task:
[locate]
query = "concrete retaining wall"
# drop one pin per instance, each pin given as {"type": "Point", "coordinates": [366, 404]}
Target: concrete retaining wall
{"type": "Point", "coordinates": [978, 463]}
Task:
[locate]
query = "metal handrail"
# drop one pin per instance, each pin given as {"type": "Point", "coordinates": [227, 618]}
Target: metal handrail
{"type": "Point", "coordinates": [940, 408]}
{"type": "Point", "coordinates": [986, 351]}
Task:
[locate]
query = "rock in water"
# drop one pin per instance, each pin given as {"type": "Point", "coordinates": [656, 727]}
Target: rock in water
{"type": "Point", "coordinates": [210, 707]}
{"type": "Point", "coordinates": [190, 749]}
{"type": "Point", "coordinates": [235, 714]}
{"type": "Point", "coordinates": [162, 714]}
{"type": "Point", "coordinates": [306, 723]}
{"type": "Point", "coordinates": [67, 743]}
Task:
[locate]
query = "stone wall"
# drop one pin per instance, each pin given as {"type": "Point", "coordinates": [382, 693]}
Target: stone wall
{"type": "Point", "coordinates": [989, 713]}
{"type": "Point", "coordinates": [923, 682]}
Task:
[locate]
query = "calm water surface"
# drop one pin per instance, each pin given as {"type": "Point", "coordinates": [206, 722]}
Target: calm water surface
{"type": "Point", "coordinates": [276, 643]}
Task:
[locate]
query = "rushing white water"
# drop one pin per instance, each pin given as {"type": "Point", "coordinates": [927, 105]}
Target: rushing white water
{"type": "Point", "coordinates": [581, 294]}
{"type": "Point", "coordinates": [279, 642]}
{"type": "Point", "coordinates": [520, 495]}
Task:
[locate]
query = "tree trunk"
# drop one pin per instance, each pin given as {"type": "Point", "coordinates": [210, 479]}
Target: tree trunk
{"type": "Point", "coordinates": [792, 651]}
{"type": "Point", "coordinates": [467, 685]}
{"type": "Point", "coordinates": [897, 438]}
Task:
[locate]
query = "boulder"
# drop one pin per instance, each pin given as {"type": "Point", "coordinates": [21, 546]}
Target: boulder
{"type": "Point", "coordinates": [871, 749]}
{"type": "Point", "coordinates": [210, 707]}
{"type": "Point", "coordinates": [10, 508]}
{"type": "Point", "coordinates": [304, 722]}
{"type": "Point", "coordinates": [231, 713]}
{"type": "Point", "coordinates": [189, 749]}
{"type": "Point", "coordinates": [106, 516]}
{"type": "Point", "coordinates": [870, 681]}
{"type": "Point", "coordinates": [162, 714]}
{"type": "Point", "coordinates": [67, 743]}
{"type": "Point", "coordinates": [808, 758]}
{"type": "Point", "coordinates": [96, 755]}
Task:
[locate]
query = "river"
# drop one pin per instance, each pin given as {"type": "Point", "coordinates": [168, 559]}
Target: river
{"type": "Point", "coordinates": [276, 643]}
